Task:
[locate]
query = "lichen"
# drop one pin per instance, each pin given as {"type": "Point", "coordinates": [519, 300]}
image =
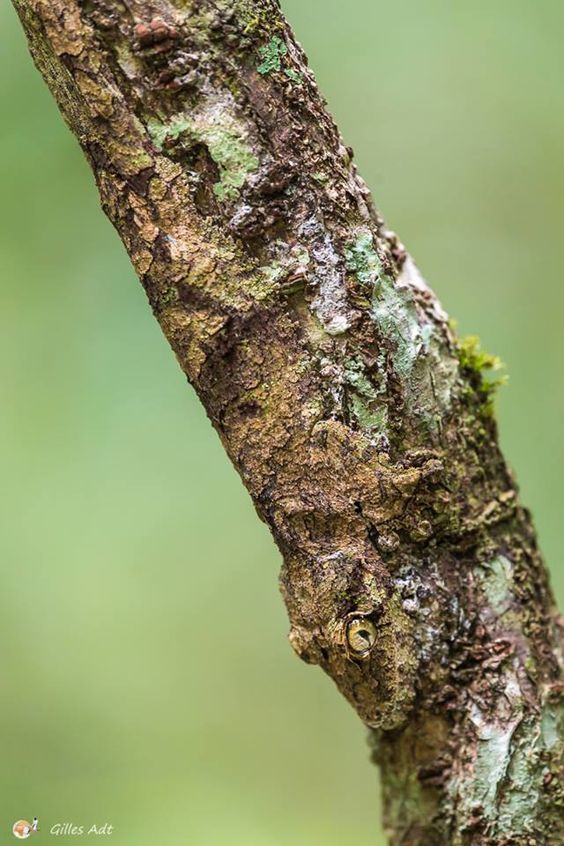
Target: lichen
{"type": "Point", "coordinates": [417, 355]}
{"type": "Point", "coordinates": [234, 158]}
{"type": "Point", "coordinates": [327, 277]}
{"type": "Point", "coordinates": [162, 132]}
{"type": "Point", "coordinates": [224, 137]}
{"type": "Point", "coordinates": [271, 55]}
{"type": "Point", "coordinates": [497, 581]}
{"type": "Point", "coordinates": [289, 267]}
{"type": "Point", "coordinates": [368, 419]}
{"type": "Point", "coordinates": [294, 76]}
{"type": "Point", "coordinates": [251, 16]}
{"type": "Point", "coordinates": [507, 776]}
{"type": "Point", "coordinates": [369, 415]}
{"type": "Point", "coordinates": [362, 260]}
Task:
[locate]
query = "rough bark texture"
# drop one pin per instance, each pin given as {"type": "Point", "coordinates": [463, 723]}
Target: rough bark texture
{"type": "Point", "coordinates": [361, 427]}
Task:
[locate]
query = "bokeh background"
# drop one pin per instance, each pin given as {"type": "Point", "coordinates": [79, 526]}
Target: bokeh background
{"type": "Point", "coordinates": [146, 679]}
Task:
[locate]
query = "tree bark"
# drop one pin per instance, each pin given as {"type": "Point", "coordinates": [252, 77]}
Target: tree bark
{"type": "Point", "coordinates": [361, 427]}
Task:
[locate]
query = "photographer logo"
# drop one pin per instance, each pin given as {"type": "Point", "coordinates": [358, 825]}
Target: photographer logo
{"type": "Point", "coordinates": [22, 829]}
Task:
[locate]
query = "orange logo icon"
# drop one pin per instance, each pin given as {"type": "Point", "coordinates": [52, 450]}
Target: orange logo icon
{"type": "Point", "coordinates": [22, 829]}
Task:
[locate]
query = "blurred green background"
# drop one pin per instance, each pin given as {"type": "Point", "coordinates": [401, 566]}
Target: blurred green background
{"type": "Point", "coordinates": [146, 678]}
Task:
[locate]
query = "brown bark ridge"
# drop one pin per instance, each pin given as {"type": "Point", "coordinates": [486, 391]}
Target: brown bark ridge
{"type": "Point", "coordinates": [361, 427]}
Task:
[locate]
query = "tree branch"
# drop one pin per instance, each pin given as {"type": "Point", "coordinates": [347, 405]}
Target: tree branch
{"type": "Point", "coordinates": [361, 427]}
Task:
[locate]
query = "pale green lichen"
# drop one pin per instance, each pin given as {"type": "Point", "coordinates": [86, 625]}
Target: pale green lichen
{"type": "Point", "coordinates": [321, 177]}
{"type": "Point", "coordinates": [294, 76]}
{"type": "Point", "coordinates": [273, 272]}
{"type": "Point", "coordinates": [393, 308]}
{"type": "Point", "coordinates": [418, 356]}
{"type": "Point", "coordinates": [225, 139]}
{"type": "Point", "coordinates": [271, 55]}
{"type": "Point", "coordinates": [290, 261]}
{"type": "Point", "coordinates": [362, 260]}
{"type": "Point", "coordinates": [550, 725]}
{"type": "Point", "coordinates": [505, 782]}
{"type": "Point", "coordinates": [506, 779]}
{"type": "Point", "coordinates": [490, 766]}
{"type": "Point", "coordinates": [161, 132]}
{"type": "Point", "coordinates": [368, 419]}
{"type": "Point", "coordinates": [534, 742]}
{"type": "Point", "coordinates": [235, 162]}
{"type": "Point", "coordinates": [370, 412]}
{"type": "Point", "coordinates": [497, 581]}
{"type": "Point", "coordinates": [355, 376]}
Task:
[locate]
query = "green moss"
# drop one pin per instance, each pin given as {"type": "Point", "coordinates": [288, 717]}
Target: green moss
{"type": "Point", "coordinates": [271, 55]}
{"type": "Point", "coordinates": [251, 17]}
{"type": "Point", "coordinates": [478, 364]}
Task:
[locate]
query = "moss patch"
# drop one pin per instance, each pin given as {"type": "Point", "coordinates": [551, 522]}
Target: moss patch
{"type": "Point", "coordinates": [479, 366]}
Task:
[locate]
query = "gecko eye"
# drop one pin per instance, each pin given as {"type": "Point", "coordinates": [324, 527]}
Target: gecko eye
{"type": "Point", "coordinates": [361, 636]}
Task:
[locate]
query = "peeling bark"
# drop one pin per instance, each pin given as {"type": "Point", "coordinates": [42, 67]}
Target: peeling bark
{"type": "Point", "coordinates": [361, 426]}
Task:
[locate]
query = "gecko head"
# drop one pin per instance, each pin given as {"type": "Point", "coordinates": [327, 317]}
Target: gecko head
{"type": "Point", "coordinates": [347, 617]}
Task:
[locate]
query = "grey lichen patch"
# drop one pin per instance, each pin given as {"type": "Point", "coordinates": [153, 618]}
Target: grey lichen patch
{"type": "Point", "coordinates": [214, 125]}
{"type": "Point", "coordinates": [510, 774]}
{"type": "Point", "coordinates": [525, 776]}
{"type": "Point", "coordinates": [497, 582]}
{"type": "Point", "coordinates": [271, 55]}
{"type": "Point", "coordinates": [492, 759]}
{"type": "Point", "coordinates": [289, 268]}
{"type": "Point", "coordinates": [327, 277]}
{"type": "Point", "coordinates": [416, 338]}
{"type": "Point", "coordinates": [420, 356]}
